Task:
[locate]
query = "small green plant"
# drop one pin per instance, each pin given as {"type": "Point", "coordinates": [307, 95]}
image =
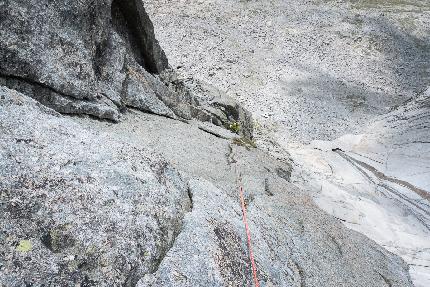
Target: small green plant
{"type": "Point", "coordinates": [234, 127]}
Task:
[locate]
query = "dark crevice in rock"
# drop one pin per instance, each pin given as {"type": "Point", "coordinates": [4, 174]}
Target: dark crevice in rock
{"type": "Point", "coordinates": [32, 83]}
{"type": "Point", "coordinates": [165, 249]}
{"type": "Point", "coordinates": [132, 277]}
{"type": "Point", "coordinates": [131, 21]}
{"type": "Point", "coordinates": [267, 188]}
{"type": "Point", "coordinates": [99, 58]}
{"type": "Point", "coordinates": [190, 196]}
{"type": "Point", "coordinates": [149, 112]}
{"type": "Point", "coordinates": [211, 132]}
{"type": "Point", "coordinates": [231, 111]}
{"type": "Point", "coordinates": [177, 232]}
{"type": "Point", "coordinates": [87, 282]}
{"type": "Point", "coordinates": [386, 280]}
{"type": "Point", "coordinates": [302, 274]}
{"type": "Point", "coordinates": [336, 243]}
{"type": "Point", "coordinates": [284, 174]}
{"type": "Point", "coordinates": [341, 219]}
{"type": "Point", "coordinates": [49, 96]}
{"type": "Point", "coordinates": [89, 116]}
{"type": "Point", "coordinates": [235, 115]}
{"type": "Point", "coordinates": [302, 278]}
{"type": "Point", "coordinates": [420, 265]}
{"type": "Point", "coordinates": [124, 85]}
{"type": "Point", "coordinates": [230, 155]}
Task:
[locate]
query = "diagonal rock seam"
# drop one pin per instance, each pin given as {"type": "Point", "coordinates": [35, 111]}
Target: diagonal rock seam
{"type": "Point", "coordinates": [362, 167]}
{"type": "Point", "coordinates": [165, 251]}
{"type": "Point", "coordinates": [422, 193]}
{"type": "Point", "coordinates": [22, 84]}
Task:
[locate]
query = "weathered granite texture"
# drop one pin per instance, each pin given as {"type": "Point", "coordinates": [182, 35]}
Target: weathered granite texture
{"type": "Point", "coordinates": [295, 243]}
{"type": "Point", "coordinates": [78, 206]}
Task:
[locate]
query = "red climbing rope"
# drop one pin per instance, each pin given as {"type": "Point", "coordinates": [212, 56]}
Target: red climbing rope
{"type": "Point", "coordinates": [248, 234]}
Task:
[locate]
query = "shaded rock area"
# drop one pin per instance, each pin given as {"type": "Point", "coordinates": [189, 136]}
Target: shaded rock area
{"type": "Point", "coordinates": [306, 70]}
{"type": "Point", "coordinates": [75, 56]}
{"type": "Point", "coordinates": [209, 104]}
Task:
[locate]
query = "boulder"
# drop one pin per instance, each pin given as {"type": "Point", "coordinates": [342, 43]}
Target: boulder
{"type": "Point", "coordinates": [78, 206]}
{"type": "Point", "coordinates": [76, 57]}
{"type": "Point", "coordinates": [98, 58]}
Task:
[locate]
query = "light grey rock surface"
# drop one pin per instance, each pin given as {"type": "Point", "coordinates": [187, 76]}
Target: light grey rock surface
{"type": "Point", "coordinates": [84, 202]}
{"type": "Point", "coordinates": [321, 70]}
{"type": "Point", "coordinates": [295, 243]}
{"type": "Point", "coordinates": [79, 207]}
{"type": "Point", "coordinates": [378, 182]}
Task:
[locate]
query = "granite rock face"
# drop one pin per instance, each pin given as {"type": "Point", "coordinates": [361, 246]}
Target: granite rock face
{"type": "Point", "coordinates": [88, 203]}
{"type": "Point", "coordinates": [295, 243]}
{"type": "Point", "coordinates": [76, 56]}
{"type": "Point", "coordinates": [77, 206]}
{"type": "Point", "coordinates": [85, 202]}
{"type": "Point", "coordinates": [94, 58]}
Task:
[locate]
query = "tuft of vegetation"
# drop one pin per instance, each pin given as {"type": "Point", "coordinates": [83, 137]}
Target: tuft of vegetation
{"type": "Point", "coordinates": [234, 127]}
